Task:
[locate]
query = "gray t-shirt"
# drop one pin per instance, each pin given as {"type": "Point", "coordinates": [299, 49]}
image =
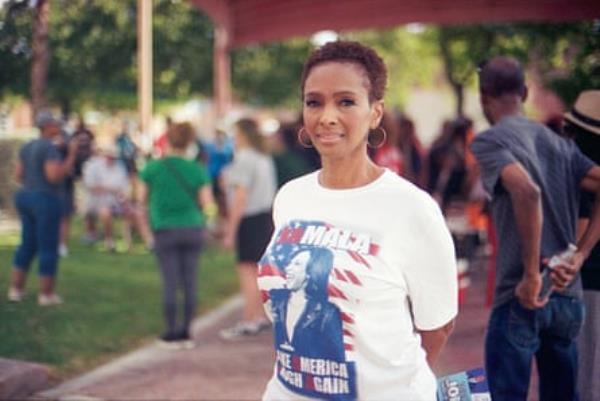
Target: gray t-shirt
{"type": "Point", "coordinates": [255, 172]}
{"type": "Point", "coordinates": [33, 156]}
{"type": "Point", "coordinates": [557, 166]}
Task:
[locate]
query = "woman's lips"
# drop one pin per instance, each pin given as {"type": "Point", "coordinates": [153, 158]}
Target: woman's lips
{"type": "Point", "coordinates": [329, 138]}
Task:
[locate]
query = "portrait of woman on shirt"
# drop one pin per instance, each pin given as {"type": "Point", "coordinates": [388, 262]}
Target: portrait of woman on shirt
{"type": "Point", "coordinates": [302, 311]}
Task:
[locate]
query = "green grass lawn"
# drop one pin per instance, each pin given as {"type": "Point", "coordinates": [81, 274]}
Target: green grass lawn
{"type": "Point", "coordinates": [112, 305]}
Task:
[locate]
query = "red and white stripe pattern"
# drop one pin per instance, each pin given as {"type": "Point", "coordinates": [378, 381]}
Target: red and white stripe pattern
{"type": "Point", "coordinates": [344, 292]}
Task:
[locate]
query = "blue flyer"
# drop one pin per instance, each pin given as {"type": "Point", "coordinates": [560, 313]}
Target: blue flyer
{"type": "Point", "coordinates": [470, 385]}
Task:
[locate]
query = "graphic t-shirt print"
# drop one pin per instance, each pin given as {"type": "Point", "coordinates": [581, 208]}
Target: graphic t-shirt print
{"type": "Point", "coordinates": [309, 281]}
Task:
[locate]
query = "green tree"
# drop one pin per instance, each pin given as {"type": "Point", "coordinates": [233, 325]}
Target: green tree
{"type": "Point", "coordinates": [461, 48]}
{"type": "Point", "coordinates": [269, 74]}
{"type": "Point", "coordinates": [15, 48]}
{"type": "Point", "coordinates": [96, 58]}
{"type": "Point", "coordinates": [93, 52]}
{"type": "Point", "coordinates": [411, 59]}
{"type": "Point", "coordinates": [183, 50]}
{"type": "Point", "coordinates": [565, 56]}
{"type": "Point", "coordinates": [92, 47]}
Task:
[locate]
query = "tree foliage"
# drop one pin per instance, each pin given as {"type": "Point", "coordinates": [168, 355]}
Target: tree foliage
{"type": "Point", "coordinates": [15, 49]}
{"type": "Point", "coordinates": [269, 74]}
{"type": "Point", "coordinates": [93, 45]}
{"type": "Point", "coordinates": [183, 50]}
{"type": "Point", "coordinates": [411, 59]}
{"type": "Point", "coordinates": [93, 55]}
{"type": "Point", "coordinates": [566, 57]}
{"type": "Point", "coordinates": [93, 49]}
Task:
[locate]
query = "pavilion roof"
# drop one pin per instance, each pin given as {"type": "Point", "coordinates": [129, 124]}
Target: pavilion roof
{"type": "Point", "coordinates": [254, 21]}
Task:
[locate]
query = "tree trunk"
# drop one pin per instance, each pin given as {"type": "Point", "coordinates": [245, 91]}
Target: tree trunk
{"type": "Point", "coordinates": [459, 94]}
{"type": "Point", "coordinates": [457, 87]}
{"type": "Point", "coordinates": [40, 55]}
{"type": "Point", "coordinates": [65, 107]}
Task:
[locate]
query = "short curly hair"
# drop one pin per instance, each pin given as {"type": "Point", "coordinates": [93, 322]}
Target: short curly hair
{"type": "Point", "coordinates": [351, 52]}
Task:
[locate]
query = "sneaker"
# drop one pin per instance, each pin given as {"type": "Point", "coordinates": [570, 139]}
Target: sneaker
{"type": "Point", "coordinates": [15, 294]}
{"type": "Point", "coordinates": [63, 251]}
{"type": "Point", "coordinates": [244, 329]}
{"type": "Point", "coordinates": [49, 300]}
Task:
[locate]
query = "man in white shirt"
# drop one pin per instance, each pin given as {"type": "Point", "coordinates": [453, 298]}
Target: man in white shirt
{"type": "Point", "coordinates": [107, 186]}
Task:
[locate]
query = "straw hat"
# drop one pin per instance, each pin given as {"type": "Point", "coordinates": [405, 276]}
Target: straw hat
{"type": "Point", "coordinates": [586, 111]}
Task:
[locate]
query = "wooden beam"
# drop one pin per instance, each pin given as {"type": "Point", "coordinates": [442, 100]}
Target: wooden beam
{"type": "Point", "coordinates": [255, 21]}
{"type": "Point", "coordinates": [222, 71]}
{"type": "Point", "coordinates": [145, 92]}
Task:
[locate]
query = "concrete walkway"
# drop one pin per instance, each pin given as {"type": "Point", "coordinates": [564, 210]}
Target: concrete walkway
{"type": "Point", "coordinates": [239, 370]}
{"type": "Point", "coordinates": [213, 370]}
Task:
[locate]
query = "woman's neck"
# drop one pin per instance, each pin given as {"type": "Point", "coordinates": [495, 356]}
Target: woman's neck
{"type": "Point", "coordinates": [346, 174]}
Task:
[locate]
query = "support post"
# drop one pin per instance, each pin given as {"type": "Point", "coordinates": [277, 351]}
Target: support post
{"type": "Point", "coordinates": [222, 71]}
{"type": "Point", "coordinates": [144, 26]}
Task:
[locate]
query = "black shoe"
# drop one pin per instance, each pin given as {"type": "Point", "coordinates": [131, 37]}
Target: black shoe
{"type": "Point", "coordinates": [175, 341]}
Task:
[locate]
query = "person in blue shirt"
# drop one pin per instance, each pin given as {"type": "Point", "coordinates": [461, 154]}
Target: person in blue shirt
{"type": "Point", "coordinates": [41, 172]}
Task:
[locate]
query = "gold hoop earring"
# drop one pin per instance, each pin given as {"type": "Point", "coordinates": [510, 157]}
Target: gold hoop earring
{"type": "Point", "coordinates": [303, 143]}
{"type": "Point", "coordinates": [379, 144]}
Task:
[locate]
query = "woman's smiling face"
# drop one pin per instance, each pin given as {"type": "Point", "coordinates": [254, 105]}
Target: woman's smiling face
{"type": "Point", "coordinates": [295, 271]}
{"type": "Point", "coordinates": [337, 112]}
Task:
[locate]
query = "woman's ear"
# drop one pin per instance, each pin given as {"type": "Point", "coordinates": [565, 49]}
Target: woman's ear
{"type": "Point", "coordinates": [377, 110]}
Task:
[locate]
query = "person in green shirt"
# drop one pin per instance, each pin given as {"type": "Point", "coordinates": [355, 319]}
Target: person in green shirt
{"type": "Point", "coordinates": [178, 194]}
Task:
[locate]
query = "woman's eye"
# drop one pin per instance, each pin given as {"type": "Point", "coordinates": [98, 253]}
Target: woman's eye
{"type": "Point", "coordinates": [311, 103]}
{"type": "Point", "coordinates": [347, 102]}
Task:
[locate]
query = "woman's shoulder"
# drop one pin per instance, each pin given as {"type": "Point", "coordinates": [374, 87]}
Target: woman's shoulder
{"type": "Point", "coordinates": [295, 189]}
{"type": "Point", "coordinates": [38, 143]}
{"type": "Point", "coordinates": [394, 182]}
{"type": "Point", "coordinates": [300, 184]}
{"type": "Point", "coordinates": [406, 195]}
{"type": "Point", "coordinates": [40, 147]}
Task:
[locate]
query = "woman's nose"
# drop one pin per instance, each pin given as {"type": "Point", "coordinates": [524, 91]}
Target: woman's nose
{"type": "Point", "coordinates": [329, 115]}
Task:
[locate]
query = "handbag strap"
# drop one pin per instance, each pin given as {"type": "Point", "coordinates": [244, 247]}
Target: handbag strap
{"type": "Point", "coordinates": [182, 182]}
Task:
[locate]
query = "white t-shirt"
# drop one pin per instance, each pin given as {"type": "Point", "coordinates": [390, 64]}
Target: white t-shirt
{"type": "Point", "coordinates": [98, 172]}
{"type": "Point", "coordinates": [348, 278]}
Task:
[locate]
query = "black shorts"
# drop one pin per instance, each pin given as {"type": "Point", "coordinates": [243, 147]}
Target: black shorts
{"type": "Point", "coordinates": [253, 236]}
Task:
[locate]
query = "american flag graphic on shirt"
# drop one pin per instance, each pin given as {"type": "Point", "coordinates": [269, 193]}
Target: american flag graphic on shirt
{"type": "Point", "coordinates": [309, 278]}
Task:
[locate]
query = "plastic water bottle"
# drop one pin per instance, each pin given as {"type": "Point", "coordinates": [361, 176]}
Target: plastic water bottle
{"type": "Point", "coordinates": [554, 261]}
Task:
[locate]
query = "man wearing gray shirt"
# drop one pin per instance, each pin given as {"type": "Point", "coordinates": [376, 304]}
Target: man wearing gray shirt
{"type": "Point", "coordinates": [533, 178]}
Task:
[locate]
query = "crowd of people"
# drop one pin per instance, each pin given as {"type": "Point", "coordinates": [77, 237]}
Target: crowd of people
{"type": "Point", "coordinates": [338, 224]}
